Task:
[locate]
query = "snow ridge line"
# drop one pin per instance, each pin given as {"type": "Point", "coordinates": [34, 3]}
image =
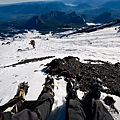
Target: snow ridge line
{"type": "Point", "coordinates": [27, 61]}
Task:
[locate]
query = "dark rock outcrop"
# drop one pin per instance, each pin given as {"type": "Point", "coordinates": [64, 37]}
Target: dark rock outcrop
{"type": "Point", "coordinates": [87, 72]}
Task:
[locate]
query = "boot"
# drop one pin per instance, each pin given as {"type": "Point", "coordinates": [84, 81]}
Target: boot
{"type": "Point", "coordinates": [71, 88]}
{"type": "Point", "coordinates": [49, 85]}
{"type": "Point", "coordinates": [22, 90]}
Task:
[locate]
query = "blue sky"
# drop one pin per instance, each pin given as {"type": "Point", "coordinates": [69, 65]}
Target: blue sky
{"type": "Point", "coordinates": [17, 1]}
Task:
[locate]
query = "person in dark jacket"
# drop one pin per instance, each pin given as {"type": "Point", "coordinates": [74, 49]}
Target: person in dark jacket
{"type": "Point", "coordinates": [20, 109]}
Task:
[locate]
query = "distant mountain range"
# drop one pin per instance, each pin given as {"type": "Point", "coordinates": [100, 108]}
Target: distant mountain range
{"type": "Point", "coordinates": [19, 15]}
{"type": "Point", "coordinates": [55, 20]}
{"type": "Point", "coordinates": [91, 2]}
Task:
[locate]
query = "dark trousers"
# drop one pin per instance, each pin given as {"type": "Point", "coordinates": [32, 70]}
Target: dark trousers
{"type": "Point", "coordinates": [94, 108]}
{"type": "Point", "coordinates": [31, 110]}
{"type": "Point", "coordinates": [74, 110]}
{"type": "Point", "coordinates": [88, 109]}
{"type": "Point", "coordinates": [45, 108]}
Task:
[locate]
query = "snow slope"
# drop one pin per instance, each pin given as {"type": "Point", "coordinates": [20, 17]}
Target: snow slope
{"type": "Point", "coordinates": [103, 45]}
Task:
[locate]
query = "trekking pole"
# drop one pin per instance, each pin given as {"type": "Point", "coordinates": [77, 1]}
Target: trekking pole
{"type": "Point", "coordinates": [114, 108]}
{"type": "Point", "coordinates": [110, 102]}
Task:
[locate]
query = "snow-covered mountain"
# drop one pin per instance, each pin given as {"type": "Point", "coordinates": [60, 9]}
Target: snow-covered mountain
{"type": "Point", "coordinates": [103, 45]}
{"type": "Point", "coordinates": [92, 2]}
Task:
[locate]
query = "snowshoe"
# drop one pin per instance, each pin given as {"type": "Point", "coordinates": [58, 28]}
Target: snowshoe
{"type": "Point", "coordinates": [22, 90]}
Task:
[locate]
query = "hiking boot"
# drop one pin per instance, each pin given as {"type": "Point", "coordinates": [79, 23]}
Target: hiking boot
{"type": "Point", "coordinates": [49, 85]}
{"type": "Point", "coordinates": [71, 89]}
{"type": "Point", "coordinates": [22, 90]}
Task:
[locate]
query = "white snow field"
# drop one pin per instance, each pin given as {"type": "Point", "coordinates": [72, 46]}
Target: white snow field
{"type": "Point", "coordinates": [99, 45]}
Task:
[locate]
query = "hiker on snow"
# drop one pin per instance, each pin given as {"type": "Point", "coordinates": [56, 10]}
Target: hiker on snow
{"type": "Point", "coordinates": [32, 42]}
{"type": "Point", "coordinates": [20, 109]}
